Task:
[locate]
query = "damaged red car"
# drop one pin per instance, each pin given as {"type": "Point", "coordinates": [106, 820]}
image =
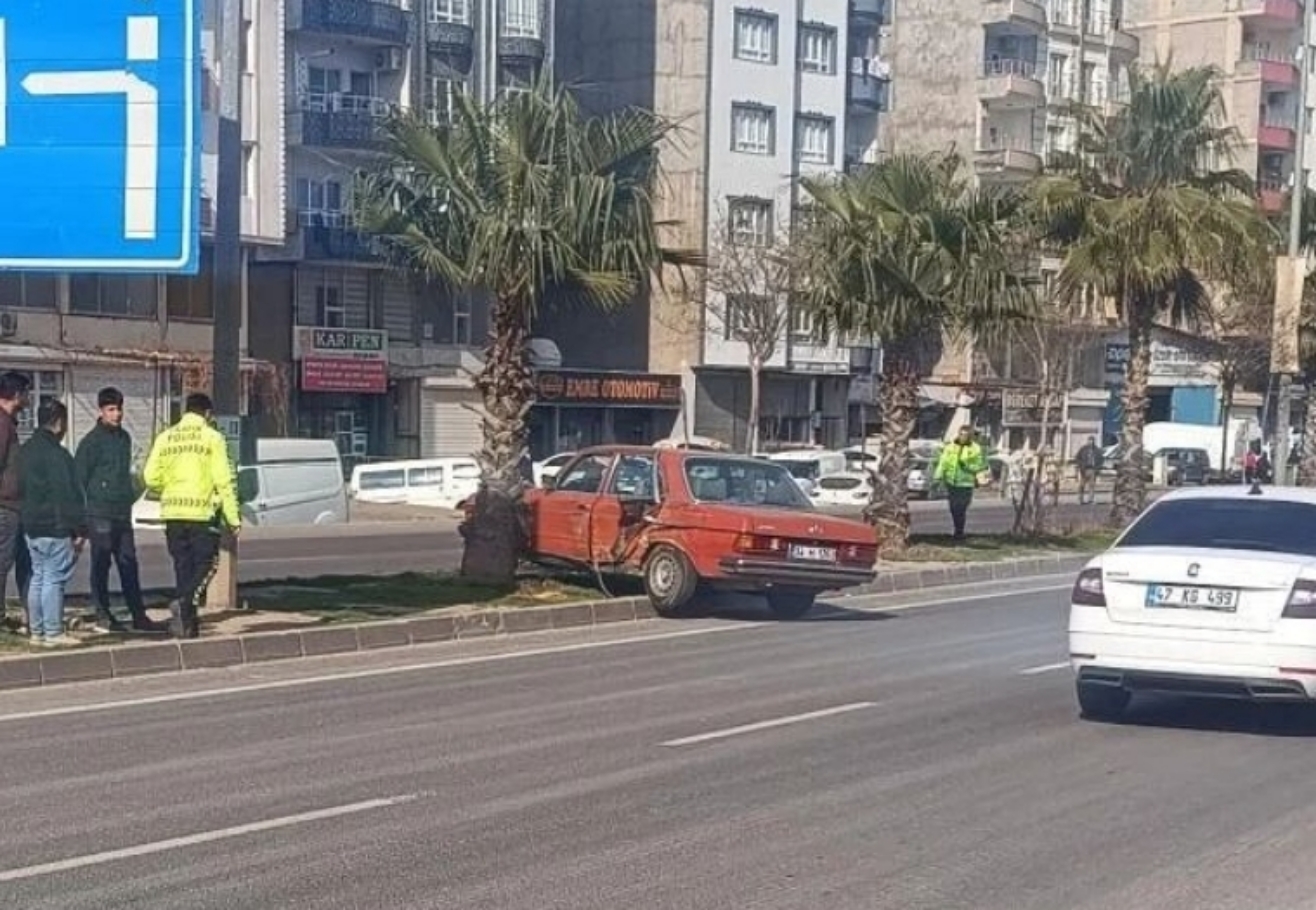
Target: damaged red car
{"type": "Point", "coordinates": [689, 520]}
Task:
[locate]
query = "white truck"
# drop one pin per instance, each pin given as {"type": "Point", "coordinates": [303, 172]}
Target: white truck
{"type": "Point", "coordinates": [1224, 447]}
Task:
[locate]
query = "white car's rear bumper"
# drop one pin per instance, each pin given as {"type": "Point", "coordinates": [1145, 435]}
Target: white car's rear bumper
{"type": "Point", "coordinates": [1279, 664]}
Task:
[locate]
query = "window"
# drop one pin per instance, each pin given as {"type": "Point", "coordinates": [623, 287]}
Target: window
{"type": "Point", "coordinates": [801, 324]}
{"type": "Point", "coordinates": [248, 170]}
{"type": "Point", "coordinates": [586, 475]}
{"type": "Point", "coordinates": [136, 296]}
{"type": "Point", "coordinates": [455, 11]}
{"type": "Point", "coordinates": [330, 312]}
{"type": "Point", "coordinates": [813, 139]}
{"type": "Point", "coordinates": [461, 320]}
{"type": "Point", "coordinates": [1086, 83]}
{"type": "Point", "coordinates": [756, 37]}
{"type": "Point", "coordinates": [751, 222]}
{"type": "Point", "coordinates": [28, 290]}
{"type": "Point", "coordinates": [521, 19]}
{"type": "Point", "coordinates": [247, 49]}
{"type": "Point", "coordinates": [741, 316]}
{"type": "Point", "coordinates": [319, 202]}
{"type": "Point", "coordinates": [818, 49]}
{"type": "Point", "coordinates": [742, 482]}
{"type": "Point", "coordinates": [1261, 523]}
{"type": "Point", "coordinates": [634, 478]}
{"type": "Point", "coordinates": [425, 477]}
{"type": "Point", "coordinates": [47, 385]}
{"type": "Point", "coordinates": [752, 128]}
{"type": "Point", "coordinates": [188, 296]}
{"type": "Point", "coordinates": [1057, 71]}
{"type": "Point", "coordinates": [321, 84]}
{"type": "Point", "coordinates": [382, 480]}
{"type": "Point", "coordinates": [442, 99]}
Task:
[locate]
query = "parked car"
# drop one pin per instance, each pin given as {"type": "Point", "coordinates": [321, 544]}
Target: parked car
{"type": "Point", "coordinates": [1186, 466]}
{"type": "Point", "coordinates": [548, 468]}
{"type": "Point", "coordinates": [684, 519]}
{"type": "Point", "coordinates": [1210, 592]}
{"type": "Point", "coordinates": [921, 482]}
{"type": "Point", "coordinates": [851, 489]}
{"type": "Point", "coordinates": [807, 465]}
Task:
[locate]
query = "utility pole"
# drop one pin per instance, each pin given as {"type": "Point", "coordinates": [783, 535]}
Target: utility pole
{"type": "Point", "coordinates": [1291, 271]}
{"type": "Point", "coordinates": [226, 278]}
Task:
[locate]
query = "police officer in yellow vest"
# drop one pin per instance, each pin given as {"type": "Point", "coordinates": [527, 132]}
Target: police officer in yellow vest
{"type": "Point", "coordinates": [190, 470]}
{"type": "Point", "coordinates": [959, 468]}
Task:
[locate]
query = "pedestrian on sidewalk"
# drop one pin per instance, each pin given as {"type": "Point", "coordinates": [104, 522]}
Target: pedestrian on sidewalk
{"type": "Point", "coordinates": [189, 467]}
{"type": "Point", "coordinates": [960, 469]}
{"type": "Point", "coordinates": [54, 520]}
{"type": "Point", "coordinates": [1089, 461]}
{"type": "Point", "coordinates": [13, 390]}
{"type": "Point", "coordinates": [22, 558]}
{"type": "Point", "coordinates": [105, 471]}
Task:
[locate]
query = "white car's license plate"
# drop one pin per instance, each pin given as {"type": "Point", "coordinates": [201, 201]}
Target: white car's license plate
{"type": "Point", "coordinates": [813, 554]}
{"type": "Point", "coordinates": [1224, 600]}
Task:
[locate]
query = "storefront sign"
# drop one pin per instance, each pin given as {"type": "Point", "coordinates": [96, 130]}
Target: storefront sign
{"type": "Point", "coordinates": [577, 388]}
{"type": "Point", "coordinates": [1023, 408]}
{"type": "Point", "coordinates": [1168, 362]}
{"type": "Point", "coordinates": [342, 360]}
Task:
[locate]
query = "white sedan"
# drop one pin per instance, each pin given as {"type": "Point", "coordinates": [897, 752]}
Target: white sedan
{"type": "Point", "coordinates": [549, 467]}
{"type": "Point", "coordinates": [849, 488]}
{"type": "Point", "coordinates": [1210, 592]}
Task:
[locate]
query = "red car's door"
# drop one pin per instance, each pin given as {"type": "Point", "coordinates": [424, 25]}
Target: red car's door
{"type": "Point", "coordinates": [561, 522]}
{"type": "Point", "coordinates": [633, 482]}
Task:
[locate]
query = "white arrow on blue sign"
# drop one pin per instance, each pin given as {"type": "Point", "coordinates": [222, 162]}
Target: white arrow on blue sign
{"type": "Point", "coordinates": [100, 139]}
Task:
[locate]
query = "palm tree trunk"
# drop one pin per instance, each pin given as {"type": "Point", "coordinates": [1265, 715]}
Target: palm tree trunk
{"type": "Point", "coordinates": [494, 532]}
{"type": "Point", "coordinates": [1307, 467]}
{"type": "Point", "coordinates": [889, 510]}
{"type": "Point", "coordinates": [755, 381]}
{"type": "Point", "coordinates": [1130, 485]}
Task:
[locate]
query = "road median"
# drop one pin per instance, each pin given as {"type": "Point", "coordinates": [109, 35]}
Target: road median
{"type": "Point", "coordinates": [31, 668]}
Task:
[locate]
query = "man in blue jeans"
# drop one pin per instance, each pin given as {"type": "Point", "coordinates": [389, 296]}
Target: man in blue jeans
{"type": "Point", "coordinates": [54, 521]}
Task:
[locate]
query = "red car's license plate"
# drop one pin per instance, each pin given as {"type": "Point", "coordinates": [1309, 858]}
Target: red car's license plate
{"type": "Point", "coordinates": [813, 554]}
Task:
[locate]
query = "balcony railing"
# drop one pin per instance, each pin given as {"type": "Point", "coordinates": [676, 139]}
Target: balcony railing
{"type": "Point", "coordinates": [386, 23]}
{"type": "Point", "coordinates": [340, 120]}
{"type": "Point", "coordinates": [869, 82]}
{"type": "Point", "coordinates": [1007, 66]}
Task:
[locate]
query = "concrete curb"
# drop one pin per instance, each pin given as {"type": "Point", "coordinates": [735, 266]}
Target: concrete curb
{"type": "Point", "coordinates": [260, 647]}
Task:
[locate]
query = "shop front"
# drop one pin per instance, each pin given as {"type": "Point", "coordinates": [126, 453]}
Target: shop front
{"type": "Point", "coordinates": [575, 409]}
{"type": "Point", "coordinates": [342, 387]}
{"type": "Point", "coordinates": [1183, 386]}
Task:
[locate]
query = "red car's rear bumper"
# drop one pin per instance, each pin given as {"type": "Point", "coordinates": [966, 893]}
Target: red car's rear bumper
{"type": "Point", "coordinates": [804, 574]}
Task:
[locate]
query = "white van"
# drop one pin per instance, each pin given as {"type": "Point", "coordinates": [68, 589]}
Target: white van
{"type": "Point", "coordinates": [294, 482]}
{"type": "Point", "coordinates": [438, 482]}
{"type": "Point", "coordinates": [807, 465]}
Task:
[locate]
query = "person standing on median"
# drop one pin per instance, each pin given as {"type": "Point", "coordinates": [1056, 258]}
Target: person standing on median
{"type": "Point", "coordinates": [189, 468]}
{"type": "Point", "coordinates": [54, 520]}
{"type": "Point", "coordinates": [959, 469]}
{"type": "Point", "coordinates": [105, 471]}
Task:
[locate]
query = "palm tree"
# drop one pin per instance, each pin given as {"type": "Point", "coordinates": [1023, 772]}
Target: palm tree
{"type": "Point", "coordinates": [529, 200]}
{"type": "Point", "coordinates": [1146, 217]}
{"type": "Point", "coordinates": [908, 252]}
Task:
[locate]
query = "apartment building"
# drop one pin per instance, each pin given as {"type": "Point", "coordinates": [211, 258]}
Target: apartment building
{"type": "Point", "coordinates": [765, 92]}
{"type": "Point", "coordinates": [1255, 44]}
{"type": "Point", "coordinates": [151, 335]}
{"type": "Point", "coordinates": [380, 360]}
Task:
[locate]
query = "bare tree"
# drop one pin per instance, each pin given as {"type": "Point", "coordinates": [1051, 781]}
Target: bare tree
{"type": "Point", "coordinates": [747, 299]}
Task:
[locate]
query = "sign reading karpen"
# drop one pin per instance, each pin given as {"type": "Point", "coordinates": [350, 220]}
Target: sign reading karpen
{"type": "Point", "coordinates": [596, 388]}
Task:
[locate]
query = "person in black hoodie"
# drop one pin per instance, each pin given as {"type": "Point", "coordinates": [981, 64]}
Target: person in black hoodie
{"type": "Point", "coordinates": [54, 521]}
{"type": "Point", "coordinates": [13, 389]}
{"type": "Point", "coordinates": [105, 471]}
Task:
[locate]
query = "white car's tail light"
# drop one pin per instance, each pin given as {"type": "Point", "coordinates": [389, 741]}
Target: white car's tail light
{"type": "Point", "coordinates": [1088, 589]}
{"type": "Point", "coordinates": [1302, 600]}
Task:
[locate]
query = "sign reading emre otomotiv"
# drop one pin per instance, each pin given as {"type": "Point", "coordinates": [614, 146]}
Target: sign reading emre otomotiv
{"type": "Point", "coordinates": [657, 390]}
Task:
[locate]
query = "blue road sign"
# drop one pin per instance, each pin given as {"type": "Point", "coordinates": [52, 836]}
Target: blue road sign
{"type": "Point", "coordinates": [100, 137]}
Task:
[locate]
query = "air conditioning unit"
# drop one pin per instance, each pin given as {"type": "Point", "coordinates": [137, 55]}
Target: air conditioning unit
{"type": "Point", "coordinates": [391, 59]}
{"type": "Point", "coordinates": [8, 325]}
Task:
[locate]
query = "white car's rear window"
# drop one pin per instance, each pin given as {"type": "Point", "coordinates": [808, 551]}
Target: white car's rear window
{"type": "Point", "coordinates": [839, 483]}
{"type": "Point", "coordinates": [1255, 523]}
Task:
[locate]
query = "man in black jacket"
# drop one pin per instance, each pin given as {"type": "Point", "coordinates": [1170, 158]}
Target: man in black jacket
{"type": "Point", "coordinates": [13, 390]}
{"type": "Point", "coordinates": [105, 471]}
{"type": "Point", "coordinates": [53, 521]}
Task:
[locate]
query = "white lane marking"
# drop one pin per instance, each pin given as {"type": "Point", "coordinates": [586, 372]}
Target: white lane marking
{"type": "Point", "coordinates": [1044, 668]}
{"type": "Point", "coordinates": [769, 724]}
{"type": "Point", "coordinates": [240, 688]}
{"type": "Point", "coordinates": [940, 599]}
{"type": "Point", "coordinates": [204, 837]}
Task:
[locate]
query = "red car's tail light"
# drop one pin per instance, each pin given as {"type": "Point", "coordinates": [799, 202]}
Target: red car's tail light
{"type": "Point", "coordinates": [755, 543]}
{"type": "Point", "coordinates": [1302, 600]}
{"type": "Point", "coordinates": [1088, 589]}
{"type": "Point", "coordinates": [859, 554]}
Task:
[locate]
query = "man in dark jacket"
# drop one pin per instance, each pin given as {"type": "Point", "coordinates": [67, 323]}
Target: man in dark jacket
{"type": "Point", "coordinates": [13, 389]}
{"type": "Point", "coordinates": [54, 522]}
{"type": "Point", "coordinates": [105, 471]}
{"type": "Point", "coordinates": [1089, 461]}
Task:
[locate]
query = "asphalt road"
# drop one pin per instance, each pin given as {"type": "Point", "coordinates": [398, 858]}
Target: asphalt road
{"type": "Point", "coordinates": [927, 760]}
{"type": "Point", "coordinates": [274, 553]}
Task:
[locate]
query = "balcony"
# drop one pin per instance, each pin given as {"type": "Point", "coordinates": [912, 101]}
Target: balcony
{"type": "Point", "coordinates": [1278, 11]}
{"type": "Point", "coordinates": [521, 34]}
{"type": "Point", "coordinates": [1277, 132]}
{"type": "Point", "coordinates": [337, 244]}
{"type": "Point", "coordinates": [368, 20]}
{"type": "Point", "coordinates": [876, 12]}
{"type": "Point", "coordinates": [869, 83]}
{"type": "Point", "coordinates": [1009, 161]}
{"type": "Point", "coordinates": [1017, 13]}
{"type": "Point", "coordinates": [444, 36]}
{"type": "Point", "coordinates": [1121, 41]}
{"type": "Point", "coordinates": [1271, 195]}
{"type": "Point", "coordinates": [1008, 83]}
{"type": "Point", "coordinates": [336, 120]}
{"type": "Point", "coordinates": [1273, 67]}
